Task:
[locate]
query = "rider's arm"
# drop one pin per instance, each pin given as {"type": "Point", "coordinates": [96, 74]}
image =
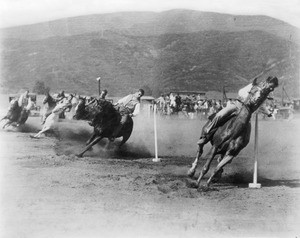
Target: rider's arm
{"type": "Point", "coordinates": [123, 100]}
{"type": "Point", "coordinates": [244, 92]}
{"type": "Point", "coordinates": [136, 110]}
{"type": "Point", "coordinates": [20, 101]}
{"type": "Point", "coordinates": [30, 104]}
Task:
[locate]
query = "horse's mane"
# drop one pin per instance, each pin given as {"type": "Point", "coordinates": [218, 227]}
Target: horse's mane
{"type": "Point", "coordinates": [100, 107]}
{"type": "Point", "coordinates": [50, 100]}
{"type": "Point", "coordinates": [102, 112]}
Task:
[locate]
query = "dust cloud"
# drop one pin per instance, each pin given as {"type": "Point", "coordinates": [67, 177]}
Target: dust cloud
{"type": "Point", "coordinates": [278, 143]}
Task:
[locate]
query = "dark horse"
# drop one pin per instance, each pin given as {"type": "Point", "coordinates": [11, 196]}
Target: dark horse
{"type": "Point", "coordinates": [105, 119]}
{"type": "Point", "coordinates": [16, 115]}
{"type": "Point", "coordinates": [231, 137]}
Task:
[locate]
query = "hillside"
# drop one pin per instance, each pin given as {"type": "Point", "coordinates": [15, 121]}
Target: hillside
{"type": "Point", "coordinates": [131, 56]}
{"type": "Point", "coordinates": [150, 23]}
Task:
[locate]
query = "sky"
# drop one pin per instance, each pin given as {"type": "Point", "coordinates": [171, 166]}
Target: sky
{"type": "Point", "coordinates": [23, 12]}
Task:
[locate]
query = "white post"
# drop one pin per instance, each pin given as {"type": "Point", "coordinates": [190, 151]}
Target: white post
{"type": "Point", "coordinates": [156, 159]}
{"type": "Point", "coordinates": [255, 184]}
{"type": "Point", "coordinates": [99, 82]}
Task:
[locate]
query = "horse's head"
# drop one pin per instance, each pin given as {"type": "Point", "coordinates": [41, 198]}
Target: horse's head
{"type": "Point", "coordinates": [80, 111]}
{"type": "Point", "coordinates": [48, 99]}
{"type": "Point", "coordinates": [13, 105]}
{"type": "Point", "coordinates": [259, 92]}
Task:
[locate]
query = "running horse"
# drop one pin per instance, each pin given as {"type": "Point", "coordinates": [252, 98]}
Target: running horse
{"type": "Point", "coordinates": [16, 115]}
{"type": "Point", "coordinates": [51, 103]}
{"type": "Point", "coordinates": [104, 118]}
{"type": "Point", "coordinates": [231, 137]}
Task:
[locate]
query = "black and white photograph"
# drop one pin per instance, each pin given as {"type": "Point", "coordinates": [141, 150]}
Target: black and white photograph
{"type": "Point", "coordinates": [160, 118]}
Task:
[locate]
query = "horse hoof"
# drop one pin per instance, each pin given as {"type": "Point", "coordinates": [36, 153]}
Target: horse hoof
{"type": "Point", "coordinates": [204, 188]}
{"type": "Point", "coordinates": [79, 155]}
{"type": "Point", "coordinates": [191, 173]}
{"type": "Point", "coordinates": [192, 184]}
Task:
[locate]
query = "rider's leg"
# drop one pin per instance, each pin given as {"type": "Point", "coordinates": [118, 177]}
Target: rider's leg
{"type": "Point", "coordinates": [219, 118]}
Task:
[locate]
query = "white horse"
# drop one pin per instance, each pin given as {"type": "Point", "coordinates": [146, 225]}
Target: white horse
{"type": "Point", "coordinates": [53, 118]}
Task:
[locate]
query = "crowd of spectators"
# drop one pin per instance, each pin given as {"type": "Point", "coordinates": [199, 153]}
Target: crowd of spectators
{"type": "Point", "coordinates": [191, 106]}
{"type": "Point", "coordinates": [198, 107]}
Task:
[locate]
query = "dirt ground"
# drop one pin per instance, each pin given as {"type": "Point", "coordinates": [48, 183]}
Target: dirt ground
{"type": "Point", "coordinates": [46, 191]}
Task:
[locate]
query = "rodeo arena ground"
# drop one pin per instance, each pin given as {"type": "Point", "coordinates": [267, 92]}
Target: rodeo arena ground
{"type": "Point", "coordinates": [49, 188]}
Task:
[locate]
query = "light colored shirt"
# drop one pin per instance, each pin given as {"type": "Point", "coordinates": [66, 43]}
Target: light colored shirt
{"type": "Point", "coordinates": [243, 95]}
{"type": "Point", "coordinates": [132, 103]}
{"type": "Point", "coordinates": [244, 92]}
{"type": "Point", "coordinates": [23, 100]}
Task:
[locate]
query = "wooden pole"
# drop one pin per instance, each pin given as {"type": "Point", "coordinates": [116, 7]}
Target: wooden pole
{"type": "Point", "coordinates": [255, 184]}
{"type": "Point", "coordinates": [99, 82]}
{"type": "Point", "coordinates": [156, 159]}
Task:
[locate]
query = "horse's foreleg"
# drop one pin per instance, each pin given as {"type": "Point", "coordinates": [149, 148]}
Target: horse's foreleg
{"type": "Point", "coordinates": [95, 141]}
{"type": "Point", "coordinates": [209, 157]}
{"type": "Point", "coordinates": [227, 159]}
{"type": "Point", "coordinates": [218, 175]}
{"type": "Point", "coordinates": [192, 170]}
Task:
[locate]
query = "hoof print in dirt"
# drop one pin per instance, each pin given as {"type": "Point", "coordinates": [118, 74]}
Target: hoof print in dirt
{"type": "Point", "coordinates": [163, 189]}
{"type": "Point", "coordinates": [206, 189]}
{"type": "Point", "coordinates": [191, 183]}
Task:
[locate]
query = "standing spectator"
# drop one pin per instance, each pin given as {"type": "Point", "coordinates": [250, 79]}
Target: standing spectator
{"type": "Point", "coordinates": [291, 112]}
{"type": "Point", "coordinates": [178, 102]}
{"type": "Point", "coordinates": [172, 101]}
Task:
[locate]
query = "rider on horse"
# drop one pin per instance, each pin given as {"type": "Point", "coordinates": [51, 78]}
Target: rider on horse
{"type": "Point", "coordinates": [128, 106]}
{"type": "Point", "coordinates": [60, 96]}
{"type": "Point", "coordinates": [102, 97]}
{"type": "Point", "coordinates": [25, 103]}
{"type": "Point", "coordinates": [231, 109]}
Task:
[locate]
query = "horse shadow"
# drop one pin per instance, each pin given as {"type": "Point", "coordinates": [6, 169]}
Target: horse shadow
{"type": "Point", "coordinates": [291, 183]}
{"type": "Point", "coordinates": [243, 180]}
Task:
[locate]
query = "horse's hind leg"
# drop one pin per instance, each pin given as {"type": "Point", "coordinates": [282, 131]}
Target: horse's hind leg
{"type": "Point", "coordinates": [227, 159]}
